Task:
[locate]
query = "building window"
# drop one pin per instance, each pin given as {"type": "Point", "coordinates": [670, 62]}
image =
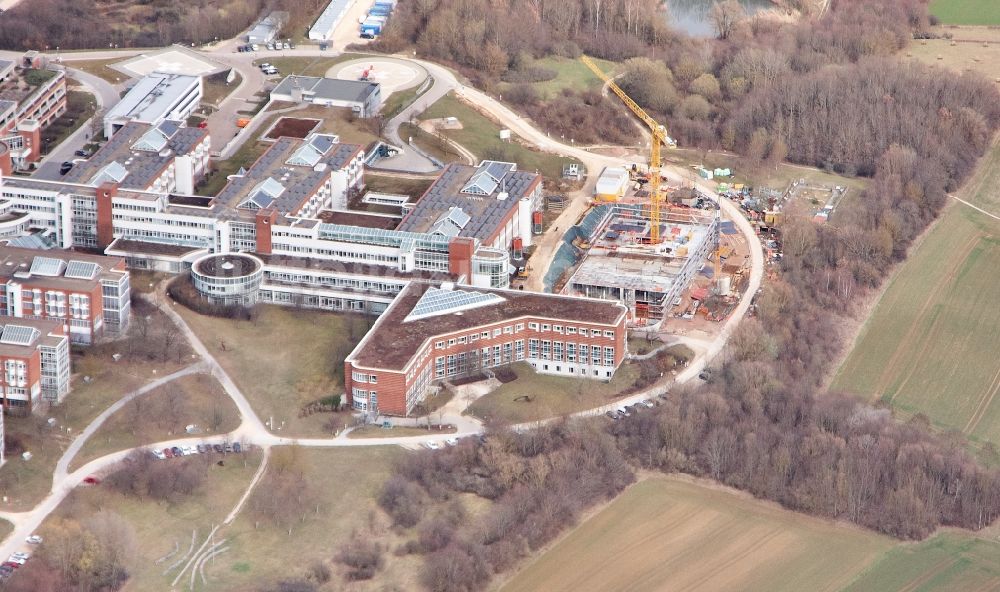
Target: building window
{"type": "Point", "coordinates": [570, 330]}
{"type": "Point", "coordinates": [519, 350]}
{"type": "Point", "coordinates": [557, 328]}
{"type": "Point", "coordinates": [533, 326]}
{"type": "Point", "coordinates": [546, 347]}
{"type": "Point", "coordinates": [439, 367]}
{"type": "Point", "coordinates": [359, 377]}
{"type": "Point", "coordinates": [439, 345]}
{"type": "Point", "coordinates": [609, 356]}
{"type": "Point", "coordinates": [609, 334]}
{"type": "Point", "coordinates": [532, 348]}
{"type": "Point", "coordinates": [451, 342]}
{"type": "Point", "coordinates": [519, 327]}
{"type": "Point", "coordinates": [496, 332]}
{"type": "Point", "coordinates": [462, 339]}
{"type": "Point", "coordinates": [570, 352]}
{"type": "Point", "coordinates": [473, 337]}
{"type": "Point", "coordinates": [545, 327]}
{"type": "Point", "coordinates": [508, 330]}
{"type": "Point", "coordinates": [373, 379]}
{"type": "Point", "coordinates": [557, 351]}
{"type": "Point", "coordinates": [485, 334]}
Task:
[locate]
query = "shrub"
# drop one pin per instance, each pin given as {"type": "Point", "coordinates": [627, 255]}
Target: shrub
{"type": "Point", "coordinates": [363, 556]}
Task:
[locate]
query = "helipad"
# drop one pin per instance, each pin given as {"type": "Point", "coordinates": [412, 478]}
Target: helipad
{"type": "Point", "coordinates": [172, 60]}
{"type": "Point", "coordinates": [393, 75]}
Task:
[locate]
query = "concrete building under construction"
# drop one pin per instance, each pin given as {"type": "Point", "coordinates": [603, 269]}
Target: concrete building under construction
{"type": "Point", "coordinates": [620, 263]}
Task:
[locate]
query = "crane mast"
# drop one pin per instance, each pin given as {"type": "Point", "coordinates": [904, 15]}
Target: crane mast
{"type": "Point", "coordinates": [659, 136]}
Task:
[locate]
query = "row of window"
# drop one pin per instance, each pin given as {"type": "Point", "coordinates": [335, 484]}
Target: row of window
{"type": "Point", "coordinates": [496, 332]}
{"type": "Point", "coordinates": [364, 377]}
{"type": "Point", "coordinates": [571, 352]}
{"type": "Point", "coordinates": [569, 330]}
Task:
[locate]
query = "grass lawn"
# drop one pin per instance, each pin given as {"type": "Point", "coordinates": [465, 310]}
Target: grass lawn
{"type": "Point", "coordinates": [99, 68]}
{"type": "Point", "coordinates": [967, 12]}
{"type": "Point", "coordinates": [430, 143]}
{"type": "Point", "coordinates": [162, 414]}
{"type": "Point", "coordinates": [961, 57]}
{"type": "Point", "coordinates": [387, 183]}
{"type": "Point", "coordinates": [667, 533]}
{"type": "Point", "coordinates": [948, 561]}
{"type": "Point", "coordinates": [5, 529]}
{"type": "Point", "coordinates": [481, 136]}
{"type": "Point", "coordinates": [374, 431]}
{"type": "Point", "coordinates": [27, 482]}
{"type": "Point", "coordinates": [306, 66]}
{"type": "Point", "coordinates": [160, 526]}
{"type": "Point", "coordinates": [80, 106]}
{"type": "Point", "coordinates": [571, 74]}
{"type": "Point", "coordinates": [641, 345]}
{"type": "Point", "coordinates": [552, 396]}
{"type": "Point", "coordinates": [260, 554]}
{"type": "Point", "coordinates": [929, 345]}
{"type": "Point", "coordinates": [283, 360]}
{"type": "Point", "coordinates": [399, 100]}
{"type": "Point", "coordinates": [216, 89]}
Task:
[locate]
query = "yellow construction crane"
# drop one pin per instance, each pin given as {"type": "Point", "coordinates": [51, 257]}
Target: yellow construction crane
{"type": "Point", "coordinates": [659, 136]}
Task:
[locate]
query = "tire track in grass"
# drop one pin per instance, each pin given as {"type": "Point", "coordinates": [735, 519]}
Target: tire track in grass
{"type": "Point", "coordinates": [925, 577]}
{"type": "Point", "coordinates": [732, 560]}
{"type": "Point", "coordinates": [890, 368]}
{"type": "Point", "coordinates": [984, 404]}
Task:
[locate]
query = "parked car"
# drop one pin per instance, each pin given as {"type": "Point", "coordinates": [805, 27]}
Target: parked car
{"type": "Point", "coordinates": [432, 445]}
{"type": "Point", "coordinates": [168, 453]}
{"type": "Point", "coordinates": [237, 447]}
{"type": "Point", "coordinates": [270, 46]}
{"type": "Point", "coordinates": [21, 555]}
{"type": "Point", "coordinates": [65, 168]}
{"type": "Point", "coordinates": [623, 412]}
{"type": "Point", "coordinates": [6, 570]}
{"type": "Point", "coordinates": [189, 450]}
{"type": "Point", "coordinates": [254, 47]}
{"type": "Point", "coordinates": [227, 447]}
{"type": "Point", "coordinates": [263, 65]}
{"type": "Point", "coordinates": [648, 404]}
{"type": "Point", "coordinates": [217, 448]}
{"type": "Point", "coordinates": [34, 540]}
{"type": "Point", "coordinates": [10, 566]}
{"type": "Point", "coordinates": [451, 441]}
{"type": "Point", "coordinates": [202, 449]}
{"type": "Point", "coordinates": [159, 454]}
{"type": "Point", "coordinates": [83, 153]}
{"type": "Point", "coordinates": [92, 480]}
{"type": "Point", "coordinates": [177, 451]}
{"type": "Point", "coordinates": [16, 560]}
{"type": "Point", "coordinates": [290, 45]}
{"type": "Point", "coordinates": [612, 414]}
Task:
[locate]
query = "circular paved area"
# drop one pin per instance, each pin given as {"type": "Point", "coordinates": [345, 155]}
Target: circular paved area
{"type": "Point", "coordinates": [393, 75]}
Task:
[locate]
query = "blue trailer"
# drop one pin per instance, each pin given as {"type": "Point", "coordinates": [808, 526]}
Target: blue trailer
{"type": "Point", "coordinates": [372, 27]}
{"type": "Point", "coordinates": [379, 11]}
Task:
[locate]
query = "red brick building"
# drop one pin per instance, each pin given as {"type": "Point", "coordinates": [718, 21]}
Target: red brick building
{"type": "Point", "coordinates": [429, 334]}
{"type": "Point", "coordinates": [34, 363]}
{"type": "Point", "coordinates": [89, 294]}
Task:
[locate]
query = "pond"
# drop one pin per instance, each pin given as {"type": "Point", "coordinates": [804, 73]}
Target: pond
{"type": "Point", "coordinates": [691, 16]}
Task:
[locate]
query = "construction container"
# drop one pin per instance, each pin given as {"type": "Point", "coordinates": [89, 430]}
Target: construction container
{"type": "Point", "coordinates": [612, 184]}
{"type": "Point", "coordinates": [372, 27]}
{"type": "Point", "coordinates": [379, 11]}
{"type": "Point", "coordinates": [536, 222]}
{"type": "Point", "coordinates": [724, 285]}
{"type": "Point", "coordinates": [518, 248]}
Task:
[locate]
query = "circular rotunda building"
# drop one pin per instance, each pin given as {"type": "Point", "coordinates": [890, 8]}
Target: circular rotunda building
{"type": "Point", "coordinates": [228, 279]}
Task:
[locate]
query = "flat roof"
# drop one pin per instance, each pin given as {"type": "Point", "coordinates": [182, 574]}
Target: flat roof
{"type": "Point", "coordinates": [294, 183]}
{"type": "Point", "coordinates": [330, 16]}
{"type": "Point", "coordinates": [350, 267]}
{"type": "Point", "coordinates": [16, 265]}
{"type": "Point", "coordinates": [487, 213]}
{"type": "Point", "coordinates": [153, 96]}
{"type": "Point", "coordinates": [332, 89]}
{"type": "Point", "coordinates": [142, 151]}
{"type": "Point", "coordinates": [45, 328]}
{"type": "Point", "coordinates": [354, 218]}
{"type": "Point", "coordinates": [149, 248]}
{"type": "Point", "coordinates": [393, 341]}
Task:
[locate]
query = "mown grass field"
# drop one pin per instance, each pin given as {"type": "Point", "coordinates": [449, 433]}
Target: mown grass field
{"type": "Point", "coordinates": [946, 562]}
{"type": "Point", "coordinates": [930, 344]}
{"type": "Point", "coordinates": [551, 396]}
{"type": "Point", "coordinates": [967, 12]}
{"type": "Point", "coordinates": [672, 534]}
{"type": "Point", "coordinates": [481, 136]}
{"type": "Point", "coordinates": [571, 74]}
{"type": "Point", "coordinates": [162, 414]}
{"type": "Point", "coordinates": [283, 359]}
{"type": "Point", "coordinates": [349, 480]}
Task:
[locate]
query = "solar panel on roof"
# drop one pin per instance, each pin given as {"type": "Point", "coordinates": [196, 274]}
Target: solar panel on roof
{"type": "Point", "coordinates": [81, 270]}
{"type": "Point", "coordinates": [306, 155]}
{"type": "Point", "coordinates": [46, 266]}
{"type": "Point", "coordinates": [436, 301]}
{"type": "Point", "coordinates": [18, 335]}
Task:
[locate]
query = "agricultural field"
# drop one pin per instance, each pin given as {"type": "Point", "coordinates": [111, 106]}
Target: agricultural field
{"type": "Point", "coordinates": [481, 136]}
{"type": "Point", "coordinates": [667, 533]}
{"type": "Point", "coordinates": [284, 359]}
{"type": "Point", "coordinates": [948, 561]}
{"type": "Point", "coordinates": [960, 55]}
{"type": "Point", "coordinates": [930, 345]}
{"type": "Point", "coordinates": [967, 12]}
